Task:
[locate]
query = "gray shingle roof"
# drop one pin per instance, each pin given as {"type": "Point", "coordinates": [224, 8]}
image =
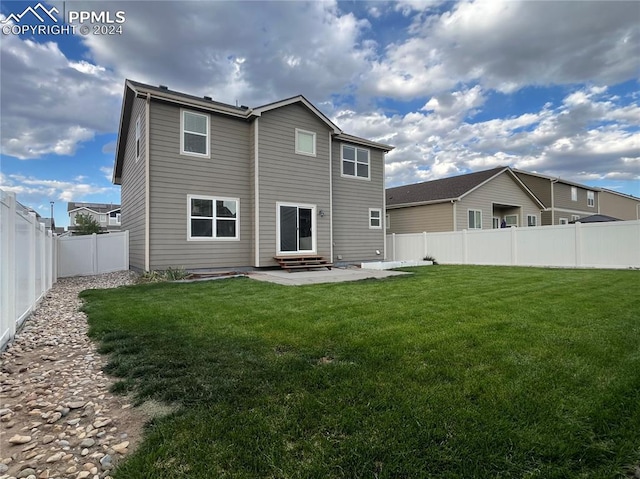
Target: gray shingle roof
{"type": "Point", "coordinates": [439, 190]}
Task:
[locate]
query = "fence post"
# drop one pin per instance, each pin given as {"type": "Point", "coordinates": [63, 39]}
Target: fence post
{"type": "Point", "coordinates": [514, 246]}
{"type": "Point", "coordinates": [94, 252]}
{"type": "Point", "coordinates": [465, 253]}
{"type": "Point", "coordinates": [32, 261]}
{"type": "Point", "coordinates": [424, 239]}
{"type": "Point", "coordinates": [9, 273]}
{"type": "Point", "coordinates": [126, 248]}
{"type": "Point", "coordinates": [578, 243]}
{"type": "Point", "coordinates": [393, 246]}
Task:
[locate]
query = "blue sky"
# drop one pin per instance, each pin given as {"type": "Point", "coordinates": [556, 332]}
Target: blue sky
{"type": "Point", "coordinates": [545, 86]}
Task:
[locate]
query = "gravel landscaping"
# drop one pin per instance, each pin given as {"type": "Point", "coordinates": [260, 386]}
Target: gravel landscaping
{"type": "Point", "coordinates": [57, 417]}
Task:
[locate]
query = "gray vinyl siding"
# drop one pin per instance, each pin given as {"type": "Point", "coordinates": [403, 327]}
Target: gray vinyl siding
{"type": "Point", "coordinates": [618, 206]}
{"type": "Point", "coordinates": [502, 190]}
{"type": "Point", "coordinates": [287, 177]}
{"type": "Point", "coordinates": [132, 190]}
{"type": "Point", "coordinates": [541, 187]}
{"type": "Point", "coordinates": [174, 176]}
{"type": "Point", "coordinates": [417, 219]}
{"type": "Point", "coordinates": [353, 240]}
{"type": "Point", "coordinates": [562, 199]}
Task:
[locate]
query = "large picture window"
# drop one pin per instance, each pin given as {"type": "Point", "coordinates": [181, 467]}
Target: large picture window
{"type": "Point", "coordinates": [194, 135]}
{"type": "Point", "coordinates": [213, 218]}
{"type": "Point", "coordinates": [355, 162]}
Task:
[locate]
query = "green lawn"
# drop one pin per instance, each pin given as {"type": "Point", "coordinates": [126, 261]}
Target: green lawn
{"type": "Point", "coordinates": [454, 372]}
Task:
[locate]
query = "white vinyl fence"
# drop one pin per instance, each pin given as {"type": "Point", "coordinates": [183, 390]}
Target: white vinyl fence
{"type": "Point", "coordinates": [590, 245]}
{"type": "Point", "coordinates": [93, 254]}
{"type": "Point", "coordinates": [27, 264]}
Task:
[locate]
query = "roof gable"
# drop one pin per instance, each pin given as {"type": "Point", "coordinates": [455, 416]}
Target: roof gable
{"type": "Point", "coordinates": [450, 189]}
{"type": "Point", "coordinates": [297, 99]}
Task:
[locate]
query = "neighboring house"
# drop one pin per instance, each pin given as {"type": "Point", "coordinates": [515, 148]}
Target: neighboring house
{"type": "Point", "coordinates": [564, 201]}
{"type": "Point", "coordinates": [619, 205]}
{"type": "Point", "coordinates": [107, 215]}
{"type": "Point", "coordinates": [209, 185]}
{"type": "Point", "coordinates": [480, 200]}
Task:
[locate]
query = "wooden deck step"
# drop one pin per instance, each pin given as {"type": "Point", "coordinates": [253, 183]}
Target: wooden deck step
{"type": "Point", "coordinates": [289, 263]}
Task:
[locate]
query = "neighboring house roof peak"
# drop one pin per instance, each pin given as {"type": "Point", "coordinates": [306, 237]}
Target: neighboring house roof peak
{"type": "Point", "coordinates": [444, 189]}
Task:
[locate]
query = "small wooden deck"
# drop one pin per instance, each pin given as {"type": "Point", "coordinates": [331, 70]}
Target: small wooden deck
{"type": "Point", "coordinates": [290, 263]}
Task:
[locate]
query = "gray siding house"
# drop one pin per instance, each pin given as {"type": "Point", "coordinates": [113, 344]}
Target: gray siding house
{"type": "Point", "coordinates": [105, 214]}
{"type": "Point", "coordinates": [481, 200]}
{"type": "Point", "coordinates": [207, 185]}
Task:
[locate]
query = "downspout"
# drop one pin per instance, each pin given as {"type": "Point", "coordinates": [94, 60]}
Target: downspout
{"type": "Point", "coordinates": [455, 215]}
{"type": "Point", "coordinates": [331, 197]}
{"type": "Point", "coordinates": [147, 182]}
{"type": "Point", "coordinates": [553, 205]}
{"type": "Point", "coordinates": [383, 220]}
{"type": "Point", "coordinates": [256, 193]}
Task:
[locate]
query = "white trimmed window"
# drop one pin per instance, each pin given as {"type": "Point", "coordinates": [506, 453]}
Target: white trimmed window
{"type": "Point", "coordinates": [511, 220]}
{"type": "Point", "coordinates": [138, 134]}
{"type": "Point", "coordinates": [213, 218]}
{"type": "Point", "coordinates": [574, 193]}
{"type": "Point", "coordinates": [564, 221]}
{"type": "Point", "coordinates": [305, 142]}
{"type": "Point", "coordinates": [375, 218]}
{"type": "Point", "coordinates": [194, 134]}
{"type": "Point", "coordinates": [591, 199]}
{"type": "Point", "coordinates": [532, 220]}
{"type": "Point", "coordinates": [475, 219]}
{"type": "Point", "coordinates": [355, 162]}
{"type": "Point", "coordinates": [575, 217]}
{"type": "Point", "coordinates": [103, 218]}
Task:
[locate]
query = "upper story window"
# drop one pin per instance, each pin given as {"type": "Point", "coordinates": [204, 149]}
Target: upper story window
{"type": "Point", "coordinates": [574, 193]}
{"type": "Point", "coordinates": [475, 219]}
{"type": "Point", "coordinates": [305, 142]}
{"type": "Point", "coordinates": [355, 162]}
{"type": "Point", "coordinates": [194, 134]}
{"type": "Point", "coordinates": [213, 218]}
{"type": "Point", "coordinates": [532, 220]}
{"type": "Point", "coordinates": [138, 134]}
{"type": "Point", "coordinates": [591, 198]}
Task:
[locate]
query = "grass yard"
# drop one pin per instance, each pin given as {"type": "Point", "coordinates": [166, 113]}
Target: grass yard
{"type": "Point", "coordinates": [454, 372]}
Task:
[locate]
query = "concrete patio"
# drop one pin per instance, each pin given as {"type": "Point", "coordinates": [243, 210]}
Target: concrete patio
{"type": "Point", "coordinates": [335, 275]}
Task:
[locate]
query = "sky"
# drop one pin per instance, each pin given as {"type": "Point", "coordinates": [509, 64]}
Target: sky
{"type": "Point", "coordinates": [456, 86]}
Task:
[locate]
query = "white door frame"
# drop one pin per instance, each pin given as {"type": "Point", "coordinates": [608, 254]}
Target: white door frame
{"type": "Point", "coordinates": [313, 228]}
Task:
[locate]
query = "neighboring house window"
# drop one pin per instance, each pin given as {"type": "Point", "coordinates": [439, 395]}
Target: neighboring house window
{"type": "Point", "coordinates": [532, 220]}
{"type": "Point", "coordinates": [305, 142]}
{"type": "Point", "coordinates": [575, 217]}
{"type": "Point", "coordinates": [511, 220]}
{"type": "Point", "coordinates": [355, 162]}
{"type": "Point", "coordinates": [564, 221]}
{"type": "Point", "coordinates": [591, 199]}
{"type": "Point", "coordinates": [475, 219]}
{"type": "Point", "coordinates": [114, 218]}
{"type": "Point", "coordinates": [387, 222]}
{"type": "Point", "coordinates": [138, 133]}
{"type": "Point", "coordinates": [213, 218]}
{"type": "Point", "coordinates": [574, 193]}
{"type": "Point", "coordinates": [194, 139]}
{"type": "Point", "coordinates": [375, 219]}
{"type": "Point", "coordinates": [103, 218]}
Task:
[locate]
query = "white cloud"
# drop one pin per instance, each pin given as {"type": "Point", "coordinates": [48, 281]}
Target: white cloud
{"type": "Point", "coordinates": [51, 104]}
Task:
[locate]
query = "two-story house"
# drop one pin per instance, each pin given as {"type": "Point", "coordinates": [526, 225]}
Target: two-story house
{"type": "Point", "coordinates": [107, 215]}
{"type": "Point", "coordinates": [208, 185]}
{"type": "Point", "coordinates": [564, 201]}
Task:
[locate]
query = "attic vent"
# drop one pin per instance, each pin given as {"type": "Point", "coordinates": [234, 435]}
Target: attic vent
{"type": "Point", "coordinates": [164, 87]}
{"type": "Point", "coordinates": [208, 98]}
